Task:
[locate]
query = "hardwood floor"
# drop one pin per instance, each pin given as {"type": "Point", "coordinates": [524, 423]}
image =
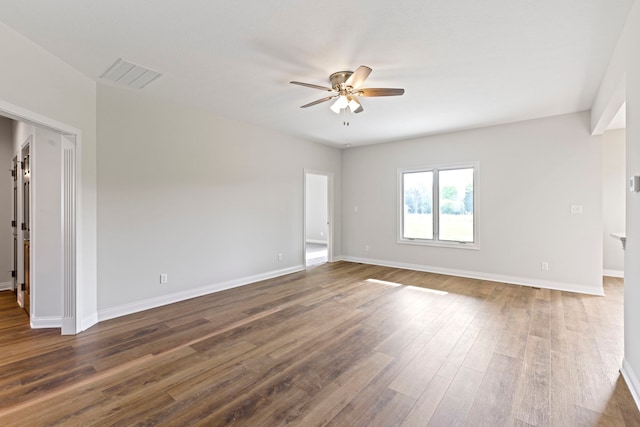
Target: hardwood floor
{"type": "Point", "coordinates": [342, 345]}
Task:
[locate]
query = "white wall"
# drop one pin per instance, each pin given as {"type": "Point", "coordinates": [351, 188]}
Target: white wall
{"type": "Point", "coordinates": [631, 366]}
{"type": "Point", "coordinates": [33, 79]}
{"type": "Point", "coordinates": [209, 201]}
{"type": "Point", "coordinates": [614, 189]}
{"type": "Point", "coordinates": [22, 132]}
{"type": "Point", "coordinates": [316, 208]}
{"type": "Point", "coordinates": [530, 174]}
{"type": "Point", "coordinates": [6, 204]}
{"type": "Point", "coordinates": [623, 72]}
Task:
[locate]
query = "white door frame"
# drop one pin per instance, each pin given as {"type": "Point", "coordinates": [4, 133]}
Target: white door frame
{"type": "Point", "coordinates": [26, 145]}
{"type": "Point", "coordinates": [71, 309]}
{"type": "Point", "coordinates": [71, 293]}
{"type": "Point", "coordinates": [329, 176]}
{"type": "Point", "coordinates": [17, 237]}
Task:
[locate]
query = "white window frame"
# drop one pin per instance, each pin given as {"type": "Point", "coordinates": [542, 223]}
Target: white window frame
{"type": "Point", "coordinates": [436, 206]}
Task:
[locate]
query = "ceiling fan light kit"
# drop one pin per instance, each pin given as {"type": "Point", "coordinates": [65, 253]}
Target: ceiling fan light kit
{"type": "Point", "coordinates": [345, 85]}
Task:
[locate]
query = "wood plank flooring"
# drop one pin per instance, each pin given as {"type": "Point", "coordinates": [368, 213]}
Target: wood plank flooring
{"type": "Point", "coordinates": [341, 344]}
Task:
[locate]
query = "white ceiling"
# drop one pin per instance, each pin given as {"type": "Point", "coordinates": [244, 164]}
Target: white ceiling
{"type": "Point", "coordinates": [463, 64]}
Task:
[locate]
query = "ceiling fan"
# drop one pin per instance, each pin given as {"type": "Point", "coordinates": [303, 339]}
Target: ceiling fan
{"type": "Point", "coordinates": [345, 85]}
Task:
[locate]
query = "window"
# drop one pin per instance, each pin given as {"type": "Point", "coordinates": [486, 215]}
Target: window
{"type": "Point", "coordinates": [437, 205]}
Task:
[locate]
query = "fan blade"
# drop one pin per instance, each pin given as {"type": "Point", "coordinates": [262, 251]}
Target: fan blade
{"type": "Point", "coordinates": [358, 77]}
{"type": "Point", "coordinates": [319, 101]}
{"type": "Point", "coordinates": [328, 89]}
{"type": "Point", "coordinates": [380, 92]}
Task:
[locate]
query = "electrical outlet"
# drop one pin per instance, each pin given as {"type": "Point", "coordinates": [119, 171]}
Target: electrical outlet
{"type": "Point", "coordinates": [576, 209]}
{"type": "Point", "coordinates": [544, 266]}
{"type": "Point", "coordinates": [366, 248]}
{"type": "Point", "coordinates": [164, 278]}
{"type": "Point", "coordinates": [279, 257]}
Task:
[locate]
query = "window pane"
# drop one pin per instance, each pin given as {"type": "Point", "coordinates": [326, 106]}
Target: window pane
{"type": "Point", "coordinates": [417, 201]}
{"type": "Point", "coordinates": [456, 205]}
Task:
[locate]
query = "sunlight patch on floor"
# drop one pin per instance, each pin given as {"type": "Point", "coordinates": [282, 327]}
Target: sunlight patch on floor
{"type": "Point", "coordinates": [384, 282]}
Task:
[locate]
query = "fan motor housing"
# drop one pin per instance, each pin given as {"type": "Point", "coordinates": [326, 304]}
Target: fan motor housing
{"type": "Point", "coordinates": [338, 78]}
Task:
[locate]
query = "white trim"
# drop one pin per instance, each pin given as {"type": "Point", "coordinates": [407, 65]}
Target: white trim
{"type": "Point", "coordinates": [6, 286]}
{"type": "Point", "coordinates": [68, 272]}
{"type": "Point", "coordinates": [613, 273]}
{"type": "Point", "coordinates": [33, 215]}
{"type": "Point", "coordinates": [20, 217]}
{"type": "Point", "coordinates": [46, 322]}
{"type": "Point", "coordinates": [439, 244]}
{"type": "Point", "coordinates": [22, 115]}
{"type": "Point", "coordinates": [515, 280]}
{"type": "Point", "coordinates": [135, 307]}
{"type": "Point", "coordinates": [320, 242]}
{"type": "Point", "coordinates": [631, 379]}
{"type": "Point", "coordinates": [89, 321]}
{"type": "Point", "coordinates": [15, 214]}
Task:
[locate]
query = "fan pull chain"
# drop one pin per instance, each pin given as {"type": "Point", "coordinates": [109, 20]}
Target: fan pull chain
{"type": "Point", "coordinates": [345, 119]}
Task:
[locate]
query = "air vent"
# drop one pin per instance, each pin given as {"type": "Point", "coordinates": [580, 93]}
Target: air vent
{"type": "Point", "coordinates": [130, 75]}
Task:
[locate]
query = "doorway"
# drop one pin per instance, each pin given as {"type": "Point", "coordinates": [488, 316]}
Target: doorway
{"type": "Point", "coordinates": [7, 219]}
{"type": "Point", "coordinates": [317, 218]}
{"type": "Point", "coordinates": [614, 191]}
{"type": "Point", "coordinates": [59, 293]}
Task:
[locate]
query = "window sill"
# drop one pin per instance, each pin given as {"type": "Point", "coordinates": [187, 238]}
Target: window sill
{"type": "Point", "coordinates": [452, 245]}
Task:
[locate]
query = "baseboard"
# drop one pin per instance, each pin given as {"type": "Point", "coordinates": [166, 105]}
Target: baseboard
{"type": "Point", "coordinates": [613, 273]}
{"type": "Point", "coordinates": [68, 326]}
{"type": "Point", "coordinates": [45, 322]}
{"type": "Point", "coordinates": [321, 242]}
{"type": "Point", "coordinates": [524, 281]}
{"type": "Point", "coordinates": [135, 307]}
{"type": "Point", "coordinates": [88, 321]}
{"type": "Point", "coordinates": [6, 286]}
{"type": "Point", "coordinates": [632, 381]}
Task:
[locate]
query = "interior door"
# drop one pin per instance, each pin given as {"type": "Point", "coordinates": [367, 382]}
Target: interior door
{"type": "Point", "coordinates": [26, 226]}
{"type": "Point", "coordinates": [14, 224]}
{"type": "Point", "coordinates": [27, 279]}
